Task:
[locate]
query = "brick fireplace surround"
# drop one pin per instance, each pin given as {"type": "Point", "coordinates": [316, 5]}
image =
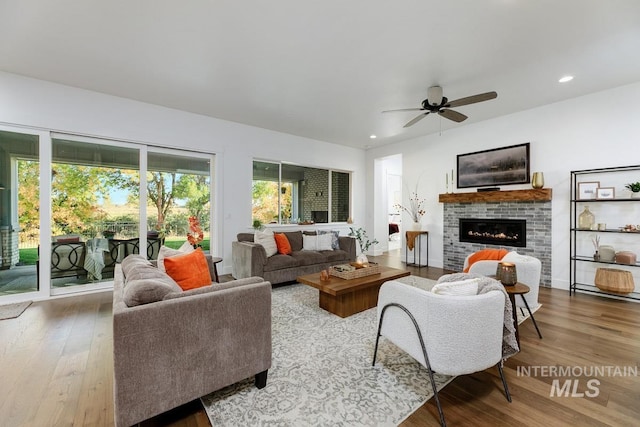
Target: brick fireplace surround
{"type": "Point", "coordinates": [534, 206]}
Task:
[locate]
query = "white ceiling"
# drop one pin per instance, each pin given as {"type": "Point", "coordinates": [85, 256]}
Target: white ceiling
{"type": "Point", "coordinates": [325, 69]}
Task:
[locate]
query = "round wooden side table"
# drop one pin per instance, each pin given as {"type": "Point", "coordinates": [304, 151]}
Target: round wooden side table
{"type": "Point", "coordinates": [512, 291]}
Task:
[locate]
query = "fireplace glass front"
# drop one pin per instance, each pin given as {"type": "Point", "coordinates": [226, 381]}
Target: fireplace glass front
{"type": "Point", "coordinates": [504, 232]}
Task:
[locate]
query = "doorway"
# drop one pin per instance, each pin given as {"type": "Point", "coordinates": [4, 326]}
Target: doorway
{"type": "Point", "coordinates": [387, 195]}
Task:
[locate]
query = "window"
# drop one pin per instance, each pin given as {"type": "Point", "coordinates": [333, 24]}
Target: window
{"type": "Point", "coordinates": [285, 193]}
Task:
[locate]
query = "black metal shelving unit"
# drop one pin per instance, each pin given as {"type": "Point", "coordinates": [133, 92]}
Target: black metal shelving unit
{"type": "Point", "coordinates": [577, 233]}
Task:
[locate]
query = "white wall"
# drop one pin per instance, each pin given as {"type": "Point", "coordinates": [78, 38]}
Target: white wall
{"type": "Point", "coordinates": [36, 103]}
{"type": "Point", "coordinates": [594, 131]}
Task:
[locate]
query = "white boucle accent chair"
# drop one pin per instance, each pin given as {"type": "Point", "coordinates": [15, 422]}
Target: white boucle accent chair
{"type": "Point", "coordinates": [450, 335]}
{"type": "Point", "coordinates": [528, 270]}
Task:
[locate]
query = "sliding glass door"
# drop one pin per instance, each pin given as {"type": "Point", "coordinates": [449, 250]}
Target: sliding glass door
{"type": "Point", "coordinates": [19, 213]}
{"type": "Point", "coordinates": [94, 210]}
{"type": "Point", "coordinates": [178, 199]}
{"type": "Point", "coordinates": [103, 200]}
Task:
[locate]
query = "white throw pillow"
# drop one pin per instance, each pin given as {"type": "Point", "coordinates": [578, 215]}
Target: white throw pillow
{"type": "Point", "coordinates": [166, 252]}
{"type": "Point", "coordinates": [462, 287]}
{"type": "Point", "coordinates": [266, 239]}
{"type": "Point", "coordinates": [309, 242]}
{"type": "Point", "coordinates": [335, 244]}
{"type": "Point", "coordinates": [320, 242]}
{"type": "Point", "coordinates": [325, 242]}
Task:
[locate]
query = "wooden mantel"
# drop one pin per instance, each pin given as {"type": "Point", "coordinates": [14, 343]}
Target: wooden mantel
{"type": "Point", "coordinates": [533, 195]}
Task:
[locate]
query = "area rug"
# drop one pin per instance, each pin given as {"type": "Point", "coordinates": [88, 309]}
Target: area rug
{"type": "Point", "coordinates": [321, 374]}
{"type": "Point", "coordinates": [11, 311]}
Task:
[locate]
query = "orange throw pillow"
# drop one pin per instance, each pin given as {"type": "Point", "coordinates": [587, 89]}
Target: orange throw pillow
{"type": "Point", "coordinates": [190, 271]}
{"type": "Point", "coordinates": [486, 254]}
{"type": "Point", "coordinates": [284, 247]}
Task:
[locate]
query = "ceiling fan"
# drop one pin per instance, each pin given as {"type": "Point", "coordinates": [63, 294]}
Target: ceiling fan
{"type": "Point", "coordinates": [436, 103]}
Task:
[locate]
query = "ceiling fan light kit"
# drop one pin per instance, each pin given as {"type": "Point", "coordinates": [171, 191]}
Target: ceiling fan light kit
{"type": "Point", "coordinates": [434, 95]}
{"type": "Point", "coordinates": [437, 103]}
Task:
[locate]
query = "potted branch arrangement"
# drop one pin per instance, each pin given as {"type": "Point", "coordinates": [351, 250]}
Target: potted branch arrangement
{"type": "Point", "coordinates": [414, 209]}
{"type": "Point", "coordinates": [363, 241]}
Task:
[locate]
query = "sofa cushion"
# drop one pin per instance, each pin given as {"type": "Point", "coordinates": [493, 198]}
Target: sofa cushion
{"type": "Point", "coordinates": [145, 284]}
{"type": "Point", "coordinates": [190, 271]}
{"type": "Point", "coordinates": [336, 255]}
{"type": "Point", "coordinates": [320, 242]}
{"type": "Point", "coordinates": [279, 261]}
{"type": "Point", "coordinates": [166, 252]}
{"type": "Point", "coordinates": [295, 239]}
{"type": "Point", "coordinates": [267, 241]}
{"type": "Point", "coordinates": [284, 247]}
{"type": "Point", "coordinates": [334, 237]}
{"type": "Point", "coordinates": [309, 257]}
{"type": "Point", "coordinates": [131, 261]}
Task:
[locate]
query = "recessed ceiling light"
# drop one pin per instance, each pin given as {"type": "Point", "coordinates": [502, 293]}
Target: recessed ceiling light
{"type": "Point", "coordinates": [565, 79]}
{"type": "Point", "coordinates": [373, 137]}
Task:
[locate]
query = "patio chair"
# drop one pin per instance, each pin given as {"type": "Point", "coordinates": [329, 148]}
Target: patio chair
{"type": "Point", "coordinates": [67, 257]}
{"type": "Point", "coordinates": [153, 246]}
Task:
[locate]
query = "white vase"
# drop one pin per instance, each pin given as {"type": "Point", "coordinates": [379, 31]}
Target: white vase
{"type": "Point", "coordinates": [416, 226]}
{"type": "Point", "coordinates": [362, 259]}
{"type": "Point", "coordinates": [635, 195]}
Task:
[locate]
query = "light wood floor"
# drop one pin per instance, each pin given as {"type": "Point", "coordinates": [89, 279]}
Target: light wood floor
{"type": "Point", "coordinates": [56, 368]}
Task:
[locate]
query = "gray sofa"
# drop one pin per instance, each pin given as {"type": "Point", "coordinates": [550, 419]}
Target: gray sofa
{"type": "Point", "coordinates": [250, 259]}
{"type": "Point", "coordinates": [172, 346]}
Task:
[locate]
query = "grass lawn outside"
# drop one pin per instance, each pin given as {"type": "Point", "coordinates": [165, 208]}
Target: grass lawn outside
{"type": "Point", "coordinates": [28, 256]}
{"type": "Point", "coordinates": [176, 242]}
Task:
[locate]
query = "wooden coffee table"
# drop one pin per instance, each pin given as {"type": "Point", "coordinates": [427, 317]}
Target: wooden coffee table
{"type": "Point", "coordinates": [344, 297]}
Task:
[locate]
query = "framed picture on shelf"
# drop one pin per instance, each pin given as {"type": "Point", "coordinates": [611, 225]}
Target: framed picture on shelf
{"type": "Point", "coordinates": [587, 190]}
{"type": "Point", "coordinates": [604, 193]}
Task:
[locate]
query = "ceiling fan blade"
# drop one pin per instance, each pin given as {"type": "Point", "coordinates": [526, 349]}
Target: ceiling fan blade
{"type": "Point", "coordinates": [471, 99]}
{"type": "Point", "coordinates": [404, 109]}
{"type": "Point", "coordinates": [416, 120]}
{"type": "Point", "coordinates": [453, 115]}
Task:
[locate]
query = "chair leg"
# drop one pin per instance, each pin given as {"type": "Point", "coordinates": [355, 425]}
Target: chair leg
{"type": "Point", "coordinates": [504, 382]}
{"type": "Point", "coordinates": [526, 304]}
{"type": "Point", "coordinates": [375, 349]}
{"type": "Point", "coordinates": [443, 423]}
